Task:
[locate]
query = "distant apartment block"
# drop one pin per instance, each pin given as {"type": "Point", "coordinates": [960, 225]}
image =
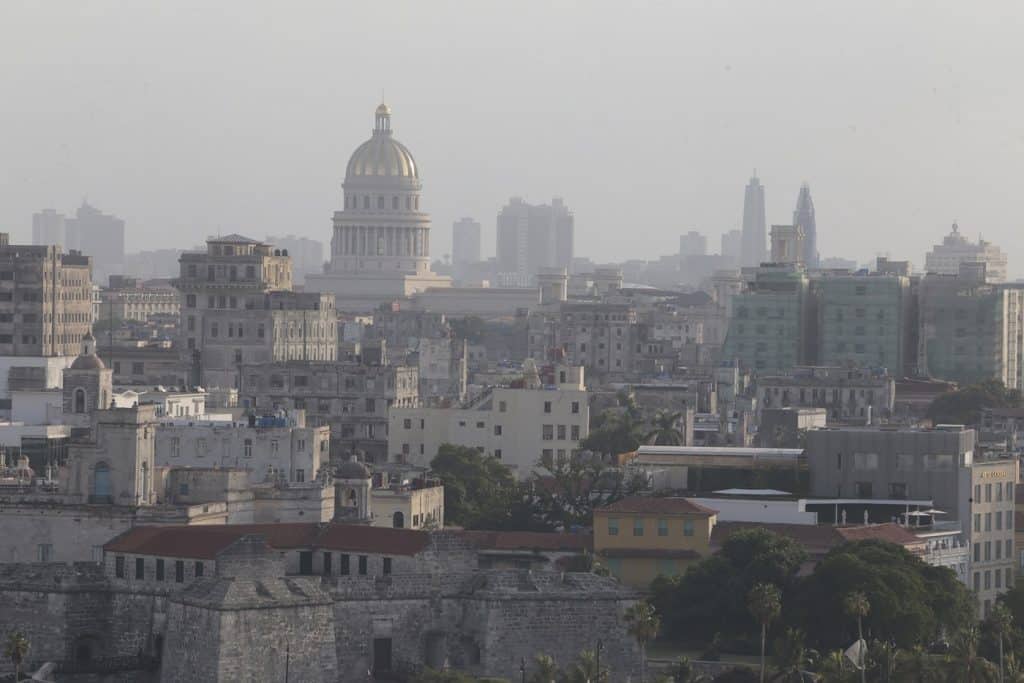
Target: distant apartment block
{"type": "Point", "coordinates": [530, 237]}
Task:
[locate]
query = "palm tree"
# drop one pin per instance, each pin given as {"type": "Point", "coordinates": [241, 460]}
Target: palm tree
{"type": "Point", "coordinates": [16, 649]}
{"type": "Point", "coordinates": [665, 430]}
{"type": "Point", "coordinates": [1002, 624]}
{"type": "Point", "coordinates": [584, 670]}
{"type": "Point", "coordinates": [965, 665]}
{"type": "Point", "coordinates": [765, 603]}
{"type": "Point", "coordinates": [857, 605]}
{"type": "Point", "coordinates": [545, 670]}
{"type": "Point", "coordinates": [791, 656]}
{"type": "Point", "coordinates": [681, 671]}
{"type": "Point", "coordinates": [643, 623]}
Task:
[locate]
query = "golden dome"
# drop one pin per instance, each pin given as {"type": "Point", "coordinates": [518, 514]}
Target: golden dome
{"type": "Point", "coordinates": [382, 155]}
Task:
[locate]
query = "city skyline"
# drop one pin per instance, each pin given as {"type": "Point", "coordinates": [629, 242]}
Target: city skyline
{"type": "Point", "coordinates": [193, 145]}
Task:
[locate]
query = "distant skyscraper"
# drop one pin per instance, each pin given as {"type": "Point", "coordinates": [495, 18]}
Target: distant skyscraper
{"type": "Point", "coordinates": [48, 228]}
{"type": "Point", "coordinates": [465, 241]}
{"type": "Point", "coordinates": [693, 244]}
{"type": "Point", "coordinates": [99, 235]}
{"type": "Point", "coordinates": [732, 247]}
{"type": "Point", "coordinates": [755, 229]}
{"type": "Point", "coordinates": [531, 237]}
{"type": "Point", "coordinates": [956, 249]}
{"type": "Point", "coordinates": [803, 216]}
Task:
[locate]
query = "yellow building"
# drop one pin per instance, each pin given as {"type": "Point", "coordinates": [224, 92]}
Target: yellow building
{"type": "Point", "coordinates": [639, 538]}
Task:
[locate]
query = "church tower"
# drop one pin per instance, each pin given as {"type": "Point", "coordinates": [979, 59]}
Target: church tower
{"type": "Point", "coordinates": [88, 386]}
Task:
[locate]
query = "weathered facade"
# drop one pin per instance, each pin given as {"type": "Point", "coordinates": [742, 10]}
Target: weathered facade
{"type": "Point", "coordinates": [330, 602]}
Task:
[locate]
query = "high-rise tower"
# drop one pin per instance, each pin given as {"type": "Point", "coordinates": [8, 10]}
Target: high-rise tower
{"type": "Point", "coordinates": [755, 230]}
{"type": "Point", "coordinates": [803, 216]}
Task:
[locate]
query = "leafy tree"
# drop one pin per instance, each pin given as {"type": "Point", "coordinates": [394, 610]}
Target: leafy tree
{"type": "Point", "coordinates": [16, 649]}
{"type": "Point", "coordinates": [665, 430]}
{"type": "Point", "coordinates": [712, 595]}
{"type": "Point", "coordinates": [644, 624]}
{"type": "Point", "coordinates": [478, 489]}
{"type": "Point", "coordinates": [917, 666]}
{"type": "Point", "coordinates": [739, 674]}
{"type": "Point", "coordinates": [681, 671]}
{"type": "Point", "coordinates": [765, 602]}
{"type": "Point", "coordinates": [911, 603]}
{"type": "Point", "coordinates": [1001, 623]}
{"type": "Point", "coordinates": [565, 492]}
{"type": "Point", "coordinates": [857, 606]}
{"type": "Point", "coordinates": [964, 406]}
{"type": "Point", "coordinates": [616, 431]}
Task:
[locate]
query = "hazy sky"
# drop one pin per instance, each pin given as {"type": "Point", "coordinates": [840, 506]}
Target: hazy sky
{"type": "Point", "coordinates": [189, 118]}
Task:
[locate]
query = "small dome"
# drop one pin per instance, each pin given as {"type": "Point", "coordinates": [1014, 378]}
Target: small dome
{"type": "Point", "coordinates": [383, 109]}
{"type": "Point", "coordinates": [352, 469]}
{"type": "Point", "coordinates": [88, 363]}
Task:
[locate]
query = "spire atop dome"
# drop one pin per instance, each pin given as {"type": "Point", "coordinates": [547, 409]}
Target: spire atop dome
{"type": "Point", "coordinates": [382, 120]}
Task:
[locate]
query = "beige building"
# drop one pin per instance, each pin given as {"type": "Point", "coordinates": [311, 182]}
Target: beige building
{"type": "Point", "coordinates": [945, 258]}
{"type": "Point", "coordinates": [380, 249]}
{"type": "Point", "coordinates": [991, 534]}
{"type": "Point", "coordinates": [137, 301]}
{"type": "Point", "coordinates": [45, 300]}
{"type": "Point", "coordinates": [267, 448]}
{"type": "Point", "coordinates": [412, 505]}
{"type": "Point", "coordinates": [517, 425]}
{"type": "Point", "coordinates": [237, 308]}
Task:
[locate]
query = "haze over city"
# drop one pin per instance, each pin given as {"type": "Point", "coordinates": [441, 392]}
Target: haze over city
{"type": "Point", "coordinates": [187, 119]}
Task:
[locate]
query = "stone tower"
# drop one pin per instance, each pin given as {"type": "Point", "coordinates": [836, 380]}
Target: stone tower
{"type": "Point", "coordinates": [88, 385]}
{"type": "Point", "coordinates": [352, 484]}
{"type": "Point", "coordinates": [115, 464]}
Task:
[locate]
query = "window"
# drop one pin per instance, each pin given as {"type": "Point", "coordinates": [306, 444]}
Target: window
{"type": "Point", "coordinates": [343, 565]}
{"type": "Point", "coordinates": [502, 406]}
{"type": "Point", "coordinates": [999, 521]}
{"type": "Point", "coordinates": [190, 301]}
{"type": "Point", "coordinates": [119, 566]}
{"type": "Point", "coordinates": [977, 521]}
{"type": "Point", "coordinates": [247, 448]}
{"type": "Point", "coordinates": [199, 569]}
{"type": "Point", "coordinates": [140, 568]}
{"type": "Point", "coordinates": [977, 581]}
{"type": "Point", "coordinates": [865, 461]}
{"type": "Point", "coordinates": [897, 490]}
{"type": "Point", "coordinates": [687, 527]}
{"type": "Point", "coordinates": [574, 432]}
{"type": "Point", "coordinates": [988, 521]}
{"type": "Point", "coordinates": [977, 493]}
{"type": "Point", "coordinates": [179, 571]}
{"type": "Point", "coordinates": [638, 526]}
{"type": "Point", "coordinates": [547, 406]}
{"type": "Point", "coordinates": [977, 552]}
{"type": "Point", "coordinates": [988, 551]}
{"type": "Point", "coordinates": [561, 432]}
{"type": "Point", "coordinates": [386, 566]}
{"type": "Point", "coordinates": [613, 526]}
{"type": "Point", "coordinates": [988, 580]}
{"type": "Point", "coordinates": [159, 570]}
{"type": "Point", "coordinates": [663, 527]}
{"type": "Point", "coordinates": [988, 493]}
{"type": "Point", "coordinates": [327, 563]}
{"type": "Point", "coordinates": [362, 565]}
{"type": "Point", "coordinates": [497, 430]}
{"type": "Point", "coordinates": [575, 407]}
{"type": "Point", "coordinates": [371, 405]}
{"type": "Point", "coordinates": [863, 489]}
{"type": "Point", "coordinates": [1009, 519]}
{"type": "Point", "coordinates": [547, 432]}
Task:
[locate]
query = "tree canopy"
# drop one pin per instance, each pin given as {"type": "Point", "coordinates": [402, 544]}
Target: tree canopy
{"type": "Point", "coordinates": [478, 490]}
{"type": "Point", "coordinates": [964, 406]}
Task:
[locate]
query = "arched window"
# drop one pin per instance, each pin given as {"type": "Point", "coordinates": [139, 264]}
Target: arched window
{"type": "Point", "coordinates": [398, 520]}
{"type": "Point", "coordinates": [79, 400]}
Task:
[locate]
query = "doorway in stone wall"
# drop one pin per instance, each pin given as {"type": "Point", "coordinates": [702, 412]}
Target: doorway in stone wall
{"type": "Point", "coordinates": [381, 656]}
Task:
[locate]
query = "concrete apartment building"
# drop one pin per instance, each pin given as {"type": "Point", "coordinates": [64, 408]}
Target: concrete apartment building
{"type": "Point", "coordinates": [518, 425]}
{"type": "Point", "coordinates": [767, 328]}
{"type": "Point", "coordinates": [353, 398]}
{"type": "Point", "coordinates": [970, 329]}
{"type": "Point", "coordinates": [98, 235]}
{"type": "Point", "coordinates": [238, 308]}
{"type": "Point", "coordinates": [45, 300]}
{"type": "Point", "coordinates": [945, 258]}
{"type": "Point", "coordinates": [531, 237]}
{"type": "Point", "coordinates": [465, 247]}
{"type": "Point", "coordinates": [267, 448]}
{"type": "Point", "coordinates": [847, 394]}
{"type": "Point", "coordinates": [132, 299]}
{"type": "Point", "coordinates": [865, 321]}
{"type": "Point", "coordinates": [886, 466]}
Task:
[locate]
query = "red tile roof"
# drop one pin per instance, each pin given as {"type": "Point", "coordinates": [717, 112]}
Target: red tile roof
{"type": "Point", "coordinates": [205, 542]}
{"type": "Point", "coordinates": [658, 505]}
{"type": "Point", "coordinates": [893, 533]}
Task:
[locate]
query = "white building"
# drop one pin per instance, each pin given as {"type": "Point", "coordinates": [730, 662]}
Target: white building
{"type": "Point", "coordinates": [517, 425]}
{"type": "Point", "coordinates": [268, 448]}
{"type": "Point", "coordinates": [945, 258]}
